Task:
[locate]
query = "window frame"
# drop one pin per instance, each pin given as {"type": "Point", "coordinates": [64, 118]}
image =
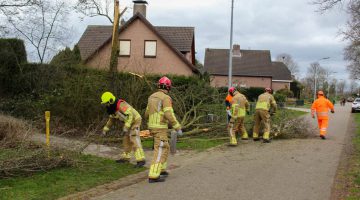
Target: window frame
{"type": "Point", "coordinates": [125, 40]}
{"type": "Point", "coordinates": [151, 56]}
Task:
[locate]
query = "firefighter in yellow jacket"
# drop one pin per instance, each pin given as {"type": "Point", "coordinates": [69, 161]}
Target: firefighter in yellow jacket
{"type": "Point", "coordinates": [160, 114]}
{"type": "Point", "coordinates": [239, 108]}
{"type": "Point", "coordinates": [265, 106]}
{"type": "Point", "coordinates": [119, 109]}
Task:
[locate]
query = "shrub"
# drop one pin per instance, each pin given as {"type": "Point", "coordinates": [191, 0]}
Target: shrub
{"type": "Point", "coordinates": [280, 97]}
{"type": "Point", "coordinates": [72, 94]}
{"type": "Point", "coordinates": [286, 92]}
{"type": "Point", "coordinates": [12, 56]}
{"type": "Point", "coordinates": [67, 57]}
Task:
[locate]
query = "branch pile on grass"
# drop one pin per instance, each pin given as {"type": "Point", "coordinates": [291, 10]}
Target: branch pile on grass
{"type": "Point", "coordinates": [286, 126]}
{"type": "Point", "coordinates": [20, 157]}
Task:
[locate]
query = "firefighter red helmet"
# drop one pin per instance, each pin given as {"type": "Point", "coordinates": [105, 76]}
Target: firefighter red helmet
{"type": "Point", "coordinates": [267, 89]}
{"type": "Point", "coordinates": [320, 93]}
{"type": "Point", "coordinates": [232, 90]}
{"type": "Point", "coordinates": [164, 83]}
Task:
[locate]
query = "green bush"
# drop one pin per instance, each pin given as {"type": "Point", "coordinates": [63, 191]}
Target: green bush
{"type": "Point", "coordinates": [67, 57]}
{"type": "Point", "coordinates": [286, 92]}
{"type": "Point", "coordinates": [280, 97]}
{"type": "Point", "coordinates": [72, 93]}
{"type": "Point", "coordinates": [12, 56]}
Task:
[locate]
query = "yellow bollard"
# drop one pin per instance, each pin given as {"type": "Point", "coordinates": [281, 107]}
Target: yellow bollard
{"type": "Point", "coordinates": [47, 119]}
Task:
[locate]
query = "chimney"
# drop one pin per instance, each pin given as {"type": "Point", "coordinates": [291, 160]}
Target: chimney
{"type": "Point", "coordinates": [140, 7]}
{"type": "Point", "coordinates": [236, 50]}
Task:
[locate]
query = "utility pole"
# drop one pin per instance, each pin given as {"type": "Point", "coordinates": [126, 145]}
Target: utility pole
{"type": "Point", "coordinates": [231, 45]}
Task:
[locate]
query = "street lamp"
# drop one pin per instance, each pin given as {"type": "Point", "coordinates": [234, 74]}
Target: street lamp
{"type": "Point", "coordinates": [325, 58]}
{"type": "Point", "coordinates": [231, 45]}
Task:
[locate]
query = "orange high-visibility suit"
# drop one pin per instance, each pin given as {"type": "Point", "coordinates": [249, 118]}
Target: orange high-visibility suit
{"type": "Point", "coordinates": [321, 107]}
{"type": "Point", "coordinates": [228, 100]}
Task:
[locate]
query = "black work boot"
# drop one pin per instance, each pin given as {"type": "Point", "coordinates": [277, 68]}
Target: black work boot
{"type": "Point", "coordinates": [164, 174]}
{"type": "Point", "coordinates": [122, 161]}
{"type": "Point", "coordinates": [256, 139]}
{"type": "Point", "coordinates": [323, 137]}
{"type": "Point", "coordinates": [156, 180]}
{"type": "Point", "coordinates": [140, 164]}
{"type": "Point", "coordinates": [266, 141]}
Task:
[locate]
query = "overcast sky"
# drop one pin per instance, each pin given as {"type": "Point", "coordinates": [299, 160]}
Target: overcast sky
{"type": "Point", "coordinates": [281, 26]}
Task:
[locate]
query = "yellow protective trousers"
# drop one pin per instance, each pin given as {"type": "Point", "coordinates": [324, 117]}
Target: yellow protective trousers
{"type": "Point", "coordinates": [323, 125]}
{"type": "Point", "coordinates": [232, 134]}
{"type": "Point", "coordinates": [262, 116]}
{"type": "Point", "coordinates": [132, 142]}
{"type": "Point", "coordinates": [161, 152]}
{"type": "Point", "coordinates": [239, 127]}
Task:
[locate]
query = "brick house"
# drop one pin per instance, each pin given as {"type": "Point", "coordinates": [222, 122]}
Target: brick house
{"type": "Point", "coordinates": [144, 48]}
{"type": "Point", "coordinates": [251, 68]}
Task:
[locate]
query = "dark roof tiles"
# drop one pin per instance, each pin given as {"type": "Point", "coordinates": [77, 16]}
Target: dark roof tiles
{"type": "Point", "coordinates": [92, 39]}
{"type": "Point", "coordinates": [251, 63]}
{"type": "Point", "coordinates": [181, 38]}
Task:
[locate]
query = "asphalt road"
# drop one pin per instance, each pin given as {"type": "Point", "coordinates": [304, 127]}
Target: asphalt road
{"type": "Point", "coordinates": [286, 169]}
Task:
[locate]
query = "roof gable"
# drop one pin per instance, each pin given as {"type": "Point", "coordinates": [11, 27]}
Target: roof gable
{"type": "Point", "coordinates": [95, 37]}
{"type": "Point", "coordinates": [92, 39]}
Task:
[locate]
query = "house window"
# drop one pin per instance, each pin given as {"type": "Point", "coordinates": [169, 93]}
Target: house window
{"type": "Point", "coordinates": [124, 48]}
{"type": "Point", "coordinates": [150, 49]}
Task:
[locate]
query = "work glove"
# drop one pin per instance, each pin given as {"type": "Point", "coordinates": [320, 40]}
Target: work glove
{"type": "Point", "coordinates": [272, 113]}
{"type": "Point", "coordinates": [105, 130]}
{"type": "Point", "coordinates": [248, 112]}
{"type": "Point", "coordinates": [228, 112]}
{"type": "Point", "coordinates": [313, 116]}
{"type": "Point", "coordinates": [179, 132]}
{"type": "Point", "coordinates": [333, 111]}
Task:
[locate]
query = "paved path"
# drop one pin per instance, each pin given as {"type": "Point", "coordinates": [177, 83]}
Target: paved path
{"type": "Point", "coordinates": [286, 169]}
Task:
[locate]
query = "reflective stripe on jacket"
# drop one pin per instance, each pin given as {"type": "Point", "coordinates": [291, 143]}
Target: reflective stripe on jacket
{"type": "Point", "coordinates": [265, 102]}
{"type": "Point", "coordinates": [239, 105]}
{"type": "Point", "coordinates": [124, 112]}
{"type": "Point", "coordinates": [159, 112]}
{"type": "Point", "coordinates": [321, 106]}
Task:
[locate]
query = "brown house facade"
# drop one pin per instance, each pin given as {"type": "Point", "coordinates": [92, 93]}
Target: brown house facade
{"type": "Point", "coordinates": [251, 68]}
{"type": "Point", "coordinates": [144, 48]}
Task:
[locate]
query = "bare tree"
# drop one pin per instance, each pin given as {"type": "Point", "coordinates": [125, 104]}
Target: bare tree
{"type": "Point", "coordinates": [15, 3]}
{"type": "Point", "coordinates": [324, 5]}
{"type": "Point", "coordinates": [353, 87]}
{"type": "Point", "coordinates": [309, 81]}
{"type": "Point", "coordinates": [352, 51]}
{"type": "Point", "coordinates": [43, 26]}
{"type": "Point", "coordinates": [11, 7]}
{"type": "Point", "coordinates": [340, 87]}
{"type": "Point", "coordinates": [289, 62]}
{"type": "Point", "coordinates": [351, 33]}
{"type": "Point", "coordinates": [95, 8]}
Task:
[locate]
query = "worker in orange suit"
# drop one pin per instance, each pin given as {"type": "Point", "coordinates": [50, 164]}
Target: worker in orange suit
{"type": "Point", "coordinates": [228, 106]}
{"type": "Point", "coordinates": [321, 107]}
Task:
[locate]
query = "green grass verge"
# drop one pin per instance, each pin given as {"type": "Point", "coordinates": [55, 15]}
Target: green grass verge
{"type": "Point", "coordinates": [90, 172]}
{"type": "Point", "coordinates": [354, 171]}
